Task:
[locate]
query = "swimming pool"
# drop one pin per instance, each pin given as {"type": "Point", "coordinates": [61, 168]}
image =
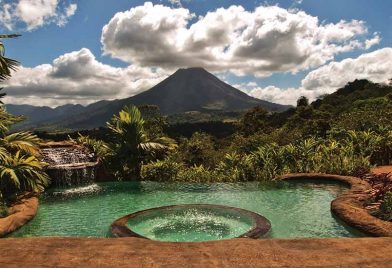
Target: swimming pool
{"type": "Point", "coordinates": [295, 209]}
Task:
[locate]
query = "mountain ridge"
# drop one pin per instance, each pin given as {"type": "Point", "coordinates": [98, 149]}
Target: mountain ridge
{"type": "Point", "coordinates": [191, 89]}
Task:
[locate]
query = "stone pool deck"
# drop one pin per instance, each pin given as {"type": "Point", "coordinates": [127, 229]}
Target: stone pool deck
{"type": "Point", "coordinates": [242, 252]}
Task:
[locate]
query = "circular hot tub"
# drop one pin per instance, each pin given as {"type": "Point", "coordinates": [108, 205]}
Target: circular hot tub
{"type": "Point", "coordinates": [191, 223]}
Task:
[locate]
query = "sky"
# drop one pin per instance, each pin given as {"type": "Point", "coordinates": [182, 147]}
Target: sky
{"type": "Point", "coordinates": [82, 51]}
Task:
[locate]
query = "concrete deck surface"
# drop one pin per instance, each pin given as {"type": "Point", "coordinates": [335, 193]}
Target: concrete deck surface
{"type": "Point", "coordinates": [135, 252]}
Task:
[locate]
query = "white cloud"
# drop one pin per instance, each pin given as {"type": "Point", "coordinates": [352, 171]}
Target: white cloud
{"type": "Point", "coordinates": [375, 66]}
{"type": "Point", "coordinates": [77, 77]}
{"type": "Point", "coordinates": [32, 14]}
{"type": "Point", "coordinates": [282, 96]}
{"type": "Point", "coordinates": [176, 2]}
{"type": "Point", "coordinates": [69, 12]}
{"type": "Point", "coordinates": [260, 42]}
{"type": "Point", "coordinates": [374, 41]}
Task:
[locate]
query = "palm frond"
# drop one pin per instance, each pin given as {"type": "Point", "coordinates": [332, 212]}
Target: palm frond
{"type": "Point", "coordinates": [9, 36]}
{"type": "Point", "coordinates": [3, 153]}
{"type": "Point", "coordinates": [24, 173]}
{"type": "Point", "coordinates": [21, 141]}
{"type": "Point", "coordinates": [6, 64]}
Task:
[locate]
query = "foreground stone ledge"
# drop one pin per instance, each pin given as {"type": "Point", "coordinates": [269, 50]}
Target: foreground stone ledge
{"type": "Point", "coordinates": [242, 252]}
{"type": "Point", "coordinates": [349, 206]}
{"type": "Point", "coordinates": [20, 213]}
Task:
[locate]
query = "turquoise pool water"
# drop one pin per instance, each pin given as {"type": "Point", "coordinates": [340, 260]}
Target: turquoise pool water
{"type": "Point", "coordinates": [191, 224]}
{"type": "Point", "coordinates": [295, 209]}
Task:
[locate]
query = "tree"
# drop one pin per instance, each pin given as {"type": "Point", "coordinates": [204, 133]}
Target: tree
{"type": "Point", "coordinates": [302, 101]}
{"type": "Point", "coordinates": [154, 122]}
{"type": "Point", "coordinates": [254, 120]}
{"type": "Point", "coordinates": [198, 150]}
{"type": "Point", "coordinates": [131, 144]}
{"type": "Point", "coordinates": [6, 64]}
{"type": "Point", "coordinates": [20, 170]}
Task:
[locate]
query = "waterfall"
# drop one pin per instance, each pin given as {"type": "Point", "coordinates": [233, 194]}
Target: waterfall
{"type": "Point", "coordinates": [69, 165]}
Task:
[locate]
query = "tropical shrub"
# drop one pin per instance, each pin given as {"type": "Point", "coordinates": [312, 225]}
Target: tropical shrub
{"type": "Point", "coordinates": [246, 144]}
{"type": "Point", "coordinates": [385, 211]}
{"type": "Point", "coordinates": [20, 170]}
{"type": "Point", "coordinates": [198, 150]}
{"type": "Point", "coordinates": [3, 210]}
{"type": "Point", "coordinates": [236, 167]}
{"type": "Point", "coordinates": [130, 145]}
{"type": "Point", "coordinates": [253, 121]}
{"type": "Point", "coordinates": [161, 170]}
{"type": "Point", "coordinates": [271, 160]}
{"type": "Point", "coordinates": [21, 173]}
{"type": "Point", "coordinates": [98, 147]}
{"type": "Point", "coordinates": [197, 174]}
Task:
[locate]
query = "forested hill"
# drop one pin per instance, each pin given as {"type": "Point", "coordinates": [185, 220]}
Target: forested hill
{"type": "Point", "coordinates": [344, 98]}
{"type": "Point", "coordinates": [187, 90]}
{"type": "Point", "coordinates": [360, 105]}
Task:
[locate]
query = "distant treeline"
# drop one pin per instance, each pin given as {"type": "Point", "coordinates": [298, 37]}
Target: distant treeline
{"type": "Point", "coordinates": [217, 129]}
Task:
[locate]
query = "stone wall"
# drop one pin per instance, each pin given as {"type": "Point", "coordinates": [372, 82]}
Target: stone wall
{"type": "Point", "coordinates": [19, 214]}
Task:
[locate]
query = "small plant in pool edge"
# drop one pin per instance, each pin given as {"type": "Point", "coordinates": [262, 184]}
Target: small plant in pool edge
{"type": "Point", "coordinates": [385, 211]}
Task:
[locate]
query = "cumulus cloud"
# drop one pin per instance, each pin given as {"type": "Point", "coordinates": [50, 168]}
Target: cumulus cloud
{"type": "Point", "coordinates": [327, 79]}
{"type": "Point", "coordinates": [32, 14]}
{"type": "Point", "coordinates": [287, 96]}
{"type": "Point", "coordinates": [176, 2]}
{"type": "Point", "coordinates": [77, 77]}
{"type": "Point", "coordinates": [375, 66]}
{"type": "Point", "coordinates": [260, 42]}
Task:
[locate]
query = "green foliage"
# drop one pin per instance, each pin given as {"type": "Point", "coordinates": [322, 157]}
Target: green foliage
{"type": "Point", "coordinates": [348, 156]}
{"type": "Point", "coordinates": [302, 101]}
{"type": "Point", "coordinates": [98, 147]}
{"type": "Point", "coordinates": [254, 120]}
{"type": "Point", "coordinates": [366, 114]}
{"type": "Point", "coordinates": [20, 141]}
{"type": "Point", "coordinates": [198, 150]}
{"type": "Point", "coordinates": [130, 144]}
{"type": "Point", "coordinates": [7, 120]}
{"type": "Point", "coordinates": [20, 170]}
{"type": "Point", "coordinates": [3, 210]}
{"type": "Point", "coordinates": [343, 133]}
{"type": "Point", "coordinates": [197, 174]}
{"type": "Point", "coordinates": [6, 64]}
{"type": "Point", "coordinates": [385, 211]}
{"type": "Point", "coordinates": [21, 173]}
{"type": "Point", "coordinates": [247, 144]}
{"type": "Point", "coordinates": [235, 167]}
{"type": "Point", "coordinates": [161, 170]}
{"type": "Point", "coordinates": [154, 122]}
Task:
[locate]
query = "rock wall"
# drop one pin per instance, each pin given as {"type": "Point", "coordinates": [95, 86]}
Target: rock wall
{"type": "Point", "coordinates": [20, 213]}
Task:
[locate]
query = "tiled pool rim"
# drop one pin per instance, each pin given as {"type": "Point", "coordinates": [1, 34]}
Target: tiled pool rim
{"type": "Point", "coordinates": [261, 225]}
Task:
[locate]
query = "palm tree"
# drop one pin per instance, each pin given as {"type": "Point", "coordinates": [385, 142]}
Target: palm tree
{"type": "Point", "coordinates": [6, 64]}
{"type": "Point", "coordinates": [20, 170]}
{"type": "Point", "coordinates": [131, 144]}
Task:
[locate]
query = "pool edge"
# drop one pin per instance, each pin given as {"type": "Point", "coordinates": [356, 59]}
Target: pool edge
{"type": "Point", "coordinates": [261, 227]}
{"type": "Point", "coordinates": [349, 206]}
